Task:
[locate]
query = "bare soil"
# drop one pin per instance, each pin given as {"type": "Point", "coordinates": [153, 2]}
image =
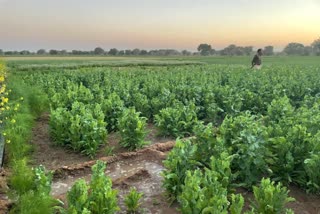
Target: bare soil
{"type": "Point", "coordinates": [141, 169]}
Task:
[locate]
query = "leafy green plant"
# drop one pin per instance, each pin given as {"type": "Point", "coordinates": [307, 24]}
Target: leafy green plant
{"type": "Point", "coordinates": [34, 202]}
{"type": "Point", "coordinates": [203, 193]}
{"type": "Point", "coordinates": [132, 129]}
{"type": "Point", "coordinates": [22, 177]}
{"type": "Point", "coordinates": [279, 109]}
{"type": "Point", "coordinates": [96, 198]}
{"type": "Point", "coordinates": [32, 190]}
{"type": "Point", "coordinates": [131, 200]}
{"type": "Point", "coordinates": [77, 197]}
{"type": "Point", "coordinates": [246, 139]}
{"type": "Point", "coordinates": [141, 104]}
{"type": "Point", "coordinates": [102, 198]}
{"type": "Point", "coordinates": [208, 144]}
{"type": "Point", "coordinates": [179, 160]}
{"type": "Point", "coordinates": [177, 121]}
{"type": "Point", "coordinates": [73, 92]}
{"type": "Point", "coordinates": [112, 108]}
{"type": "Point", "coordinates": [82, 128]}
{"type": "Point", "coordinates": [311, 167]}
{"type": "Point", "coordinates": [270, 198]}
{"type": "Point", "coordinates": [237, 203]}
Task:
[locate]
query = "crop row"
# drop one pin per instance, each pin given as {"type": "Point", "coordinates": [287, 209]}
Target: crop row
{"type": "Point", "coordinates": [265, 124]}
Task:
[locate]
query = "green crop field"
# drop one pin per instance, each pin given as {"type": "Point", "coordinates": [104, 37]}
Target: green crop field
{"type": "Point", "coordinates": [236, 130]}
{"type": "Point", "coordinates": [107, 60]}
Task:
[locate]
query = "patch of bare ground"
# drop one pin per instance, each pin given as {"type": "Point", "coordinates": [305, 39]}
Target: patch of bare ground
{"type": "Point", "coordinates": [141, 169]}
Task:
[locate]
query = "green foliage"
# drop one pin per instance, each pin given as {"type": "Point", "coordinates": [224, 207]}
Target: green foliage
{"type": "Point", "coordinates": [179, 160]}
{"type": "Point", "coordinates": [132, 129]}
{"type": "Point", "coordinates": [35, 100]}
{"type": "Point", "coordinates": [279, 109]}
{"type": "Point", "coordinates": [35, 203]}
{"type": "Point", "coordinates": [96, 198]}
{"type": "Point", "coordinates": [72, 93]}
{"type": "Point", "coordinates": [32, 189]}
{"type": "Point", "coordinates": [207, 192]}
{"type": "Point", "coordinates": [208, 144]}
{"type": "Point", "coordinates": [22, 177]}
{"type": "Point", "coordinates": [270, 198]}
{"type": "Point", "coordinates": [141, 104]}
{"type": "Point", "coordinates": [220, 167]}
{"type": "Point", "coordinates": [177, 121]}
{"type": "Point", "coordinates": [131, 200]}
{"type": "Point", "coordinates": [237, 203]}
{"type": "Point", "coordinates": [102, 199]}
{"type": "Point", "coordinates": [311, 167]}
{"type": "Point", "coordinates": [203, 193]}
{"type": "Point", "coordinates": [112, 108]}
{"type": "Point", "coordinates": [19, 133]}
{"type": "Point", "coordinates": [82, 128]}
{"type": "Point", "coordinates": [278, 137]}
{"type": "Point", "coordinates": [77, 197]}
{"type": "Point", "coordinates": [246, 138]}
{"type": "Point", "coordinates": [42, 180]}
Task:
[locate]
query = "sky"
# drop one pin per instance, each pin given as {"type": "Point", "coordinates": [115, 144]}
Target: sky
{"type": "Point", "coordinates": [156, 24]}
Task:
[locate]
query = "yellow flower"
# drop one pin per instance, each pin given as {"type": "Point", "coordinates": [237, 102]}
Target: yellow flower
{"type": "Point", "coordinates": [13, 121]}
{"type": "Point", "coordinates": [4, 134]}
{"type": "Point", "coordinates": [8, 141]}
{"type": "Point", "coordinates": [21, 98]}
{"type": "Point", "coordinates": [7, 107]}
{"type": "Point", "coordinates": [4, 99]}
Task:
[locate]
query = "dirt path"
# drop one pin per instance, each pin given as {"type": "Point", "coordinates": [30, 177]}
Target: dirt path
{"type": "Point", "coordinates": [141, 170]}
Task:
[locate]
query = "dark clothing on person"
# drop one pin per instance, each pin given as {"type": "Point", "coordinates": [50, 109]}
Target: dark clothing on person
{"type": "Point", "coordinates": [256, 60]}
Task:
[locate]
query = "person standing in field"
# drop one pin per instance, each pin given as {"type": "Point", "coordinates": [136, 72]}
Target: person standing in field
{"type": "Point", "coordinates": [256, 61]}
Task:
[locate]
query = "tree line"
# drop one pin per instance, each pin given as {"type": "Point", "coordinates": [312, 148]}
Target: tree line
{"type": "Point", "coordinates": [292, 48]}
{"type": "Point", "coordinates": [204, 49]}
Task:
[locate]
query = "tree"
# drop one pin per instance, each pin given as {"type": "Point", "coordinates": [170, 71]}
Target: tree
{"type": "Point", "coordinates": [8, 53]}
{"type": "Point", "coordinates": [98, 51]}
{"type": "Point", "coordinates": [1, 52]}
{"type": "Point", "coordinates": [41, 52]}
{"type": "Point", "coordinates": [113, 51]}
{"type": "Point", "coordinates": [53, 52]}
{"type": "Point", "coordinates": [316, 47]}
{"type": "Point", "coordinates": [121, 53]}
{"type": "Point", "coordinates": [186, 53]}
{"type": "Point", "coordinates": [213, 52]}
{"type": "Point", "coordinates": [77, 52]}
{"type": "Point", "coordinates": [231, 50]}
{"type": "Point", "coordinates": [294, 48]}
{"type": "Point", "coordinates": [204, 49]}
{"type": "Point", "coordinates": [63, 52]}
{"type": "Point", "coordinates": [25, 52]}
{"type": "Point", "coordinates": [268, 50]}
{"type": "Point", "coordinates": [128, 52]}
{"type": "Point", "coordinates": [248, 50]}
{"type": "Point", "coordinates": [307, 51]}
{"type": "Point", "coordinates": [143, 52]}
{"type": "Point", "coordinates": [136, 52]}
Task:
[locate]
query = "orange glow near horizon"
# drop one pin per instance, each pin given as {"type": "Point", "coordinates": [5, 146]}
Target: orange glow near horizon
{"type": "Point", "coordinates": [180, 24]}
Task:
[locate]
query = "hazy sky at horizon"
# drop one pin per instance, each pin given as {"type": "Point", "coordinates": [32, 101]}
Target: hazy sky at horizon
{"type": "Point", "coordinates": [153, 24]}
